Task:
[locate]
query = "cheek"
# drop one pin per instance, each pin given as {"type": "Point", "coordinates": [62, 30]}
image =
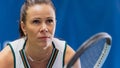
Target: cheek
{"type": "Point", "coordinates": [53, 30]}
{"type": "Point", "coordinates": [31, 31]}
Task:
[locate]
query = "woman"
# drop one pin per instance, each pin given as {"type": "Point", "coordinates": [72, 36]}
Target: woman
{"type": "Point", "coordinates": [37, 47]}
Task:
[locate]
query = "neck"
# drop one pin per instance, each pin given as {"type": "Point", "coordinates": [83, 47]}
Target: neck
{"type": "Point", "coordinates": [38, 54]}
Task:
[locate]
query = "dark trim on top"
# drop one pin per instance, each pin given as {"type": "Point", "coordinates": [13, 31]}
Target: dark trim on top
{"type": "Point", "coordinates": [13, 54]}
{"type": "Point", "coordinates": [64, 54]}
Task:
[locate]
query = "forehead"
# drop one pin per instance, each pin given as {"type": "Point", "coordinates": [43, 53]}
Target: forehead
{"type": "Point", "coordinates": [41, 10]}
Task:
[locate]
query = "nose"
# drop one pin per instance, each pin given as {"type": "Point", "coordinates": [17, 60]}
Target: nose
{"type": "Point", "coordinates": [43, 28]}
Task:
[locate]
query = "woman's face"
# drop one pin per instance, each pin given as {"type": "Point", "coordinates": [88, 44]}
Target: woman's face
{"type": "Point", "coordinates": [40, 24]}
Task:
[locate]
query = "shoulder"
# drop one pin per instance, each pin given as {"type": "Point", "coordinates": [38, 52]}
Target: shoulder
{"type": "Point", "coordinates": [6, 58]}
{"type": "Point", "coordinates": [59, 44]}
{"type": "Point", "coordinates": [68, 56]}
{"type": "Point", "coordinates": [58, 41]}
{"type": "Point", "coordinates": [69, 51]}
{"type": "Point", "coordinates": [18, 41]}
{"type": "Point", "coordinates": [62, 44]}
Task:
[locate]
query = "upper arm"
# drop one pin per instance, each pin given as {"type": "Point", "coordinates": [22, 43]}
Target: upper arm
{"type": "Point", "coordinates": [69, 54]}
{"type": "Point", "coordinates": [6, 58]}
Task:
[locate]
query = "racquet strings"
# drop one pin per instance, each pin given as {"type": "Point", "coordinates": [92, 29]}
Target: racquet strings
{"type": "Point", "coordinates": [91, 55]}
{"type": "Point", "coordinates": [93, 52]}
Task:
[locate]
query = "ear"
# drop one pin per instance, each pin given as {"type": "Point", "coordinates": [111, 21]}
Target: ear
{"type": "Point", "coordinates": [23, 27]}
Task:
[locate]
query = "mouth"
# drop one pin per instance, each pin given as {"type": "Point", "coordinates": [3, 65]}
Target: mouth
{"type": "Point", "coordinates": [44, 37]}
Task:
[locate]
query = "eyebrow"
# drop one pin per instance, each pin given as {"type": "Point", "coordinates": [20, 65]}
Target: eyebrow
{"type": "Point", "coordinates": [44, 18]}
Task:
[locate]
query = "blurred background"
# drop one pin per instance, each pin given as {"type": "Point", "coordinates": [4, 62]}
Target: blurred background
{"type": "Point", "coordinates": [77, 20]}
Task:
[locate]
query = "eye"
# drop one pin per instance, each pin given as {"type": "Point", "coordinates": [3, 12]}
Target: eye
{"type": "Point", "coordinates": [36, 21]}
{"type": "Point", "coordinates": [50, 21]}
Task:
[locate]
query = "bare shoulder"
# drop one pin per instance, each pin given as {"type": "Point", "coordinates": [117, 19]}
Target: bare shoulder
{"type": "Point", "coordinates": [6, 58]}
{"type": "Point", "coordinates": [69, 54]}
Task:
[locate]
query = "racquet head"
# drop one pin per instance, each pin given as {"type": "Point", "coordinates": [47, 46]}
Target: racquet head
{"type": "Point", "coordinates": [93, 52]}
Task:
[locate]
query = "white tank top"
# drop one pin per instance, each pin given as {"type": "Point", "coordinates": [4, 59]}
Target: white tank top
{"type": "Point", "coordinates": [20, 60]}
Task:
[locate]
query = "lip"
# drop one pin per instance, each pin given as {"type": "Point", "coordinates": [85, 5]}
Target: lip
{"type": "Point", "coordinates": [43, 37]}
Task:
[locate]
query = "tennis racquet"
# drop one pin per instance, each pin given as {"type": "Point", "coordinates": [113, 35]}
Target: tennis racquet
{"type": "Point", "coordinates": [93, 52]}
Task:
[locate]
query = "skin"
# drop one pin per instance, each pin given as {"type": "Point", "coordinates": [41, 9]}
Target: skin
{"type": "Point", "coordinates": [39, 28]}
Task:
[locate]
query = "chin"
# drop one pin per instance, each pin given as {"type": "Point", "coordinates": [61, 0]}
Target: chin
{"type": "Point", "coordinates": [45, 43]}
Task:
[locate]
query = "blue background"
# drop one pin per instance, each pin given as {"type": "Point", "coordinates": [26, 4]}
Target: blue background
{"type": "Point", "coordinates": [77, 20]}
